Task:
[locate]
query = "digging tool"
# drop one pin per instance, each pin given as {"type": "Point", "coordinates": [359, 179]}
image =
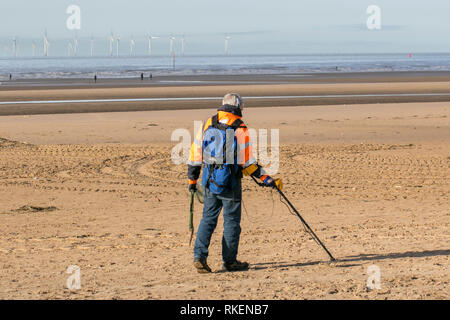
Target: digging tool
{"type": "Point", "coordinates": [200, 197]}
{"type": "Point", "coordinates": [191, 216]}
{"type": "Point", "coordinates": [311, 232]}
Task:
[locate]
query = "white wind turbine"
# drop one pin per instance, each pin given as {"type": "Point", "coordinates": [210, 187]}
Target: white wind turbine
{"type": "Point", "coordinates": [75, 47]}
{"type": "Point", "coordinates": [46, 45]}
{"type": "Point", "coordinates": [182, 45]}
{"type": "Point", "coordinates": [227, 44]}
{"type": "Point", "coordinates": [171, 41]}
{"type": "Point", "coordinates": [69, 49]}
{"type": "Point", "coordinates": [117, 45]}
{"type": "Point", "coordinates": [132, 46]}
{"type": "Point", "coordinates": [15, 46]}
{"type": "Point", "coordinates": [150, 38]}
{"type": "Point", "coordinates": [111, 43]}
{"type": "Point", "coordinates": [92, 46]}
{"type": "Point", "coordinates": [33, 49]}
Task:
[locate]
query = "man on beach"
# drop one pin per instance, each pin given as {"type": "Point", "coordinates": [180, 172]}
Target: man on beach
{"type": "Point", "coordinates": [222, 182]}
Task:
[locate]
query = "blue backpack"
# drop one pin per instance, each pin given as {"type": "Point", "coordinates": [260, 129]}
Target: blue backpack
{"type": "Point", "coordinates": [219, 147]}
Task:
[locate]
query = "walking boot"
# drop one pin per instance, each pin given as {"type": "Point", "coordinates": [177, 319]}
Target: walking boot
{"type": "Point", "coordinates": [201, 266]}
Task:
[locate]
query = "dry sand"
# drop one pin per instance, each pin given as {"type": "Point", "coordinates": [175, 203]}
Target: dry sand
{"type": "Point", "coordinates": [99, 191]}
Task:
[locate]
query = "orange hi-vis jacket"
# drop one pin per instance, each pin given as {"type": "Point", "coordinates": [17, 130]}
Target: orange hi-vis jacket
{"type": "Point", "coordinates": [226, 115]}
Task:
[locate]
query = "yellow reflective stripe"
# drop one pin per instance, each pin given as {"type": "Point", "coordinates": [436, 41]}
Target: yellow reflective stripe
{"type": "Point", "coordinates": [197, 142]}
{"type": "Point", "coordinates": [207, 124]}
{"type": "Point", "coordinates": [195, 156]}
{"type": "Point", "coordinates": [196, 153]}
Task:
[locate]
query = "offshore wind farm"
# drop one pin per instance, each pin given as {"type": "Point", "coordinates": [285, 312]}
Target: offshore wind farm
{"type": "Point", "coordinates": [185, 54]}
{"type": "Point", "coordinates": [103, 46]}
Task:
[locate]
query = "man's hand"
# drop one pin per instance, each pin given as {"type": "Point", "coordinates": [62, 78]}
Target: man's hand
{"type": "Point", "coordinates": [268, 181]}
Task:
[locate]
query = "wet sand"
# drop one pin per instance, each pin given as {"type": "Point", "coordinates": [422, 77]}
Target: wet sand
{"type": "Point", "coordinates": [190, 92]}
{"type": "Point", "coordinates": [200, 80]}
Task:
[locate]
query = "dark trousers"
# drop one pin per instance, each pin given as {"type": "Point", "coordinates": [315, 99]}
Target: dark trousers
{"type": "Point", "coordinates": [231, 204]}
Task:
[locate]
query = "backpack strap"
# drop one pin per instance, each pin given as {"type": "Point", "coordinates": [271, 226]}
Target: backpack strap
{"type": "Point", "coordinates": [238, 123]}
{"type": "Point", "coordinates": [216, 124]}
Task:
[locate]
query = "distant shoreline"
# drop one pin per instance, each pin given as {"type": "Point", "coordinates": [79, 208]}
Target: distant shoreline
{"type": "Point", "coordinates": [200, 92]}
{"type": "Point", "coordinates": [220, 79]}
{"type": "Point", "coordinates": [123, 67]}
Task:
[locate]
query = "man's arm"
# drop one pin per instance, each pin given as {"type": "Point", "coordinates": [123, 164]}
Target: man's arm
{"type": "Point", "coordinates": [195, 160]}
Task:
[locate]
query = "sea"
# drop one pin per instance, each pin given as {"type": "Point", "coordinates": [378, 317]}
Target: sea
{"type": "Point", "coordinates": [133, 66]}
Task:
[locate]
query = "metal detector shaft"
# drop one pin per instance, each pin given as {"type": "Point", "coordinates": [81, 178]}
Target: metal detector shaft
{"type": "Point", "coordinates": [306, 225]}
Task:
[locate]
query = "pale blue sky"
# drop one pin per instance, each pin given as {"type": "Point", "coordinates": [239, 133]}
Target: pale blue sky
{"type": "Point", "coordinates": [256, 26]}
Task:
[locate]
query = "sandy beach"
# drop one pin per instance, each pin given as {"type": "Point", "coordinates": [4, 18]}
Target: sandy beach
{"type": "Point", "coordinates": [200, 92]}
{"type": "Point", "coordinates": [97, 189]}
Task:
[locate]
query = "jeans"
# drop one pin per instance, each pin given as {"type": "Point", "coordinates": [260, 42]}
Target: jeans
{"type": "Point", "coordinates": [231, 204]}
